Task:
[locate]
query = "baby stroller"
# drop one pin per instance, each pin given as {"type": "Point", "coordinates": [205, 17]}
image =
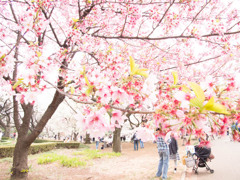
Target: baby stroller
{"type": "Point", "coordinates": [201, 156]}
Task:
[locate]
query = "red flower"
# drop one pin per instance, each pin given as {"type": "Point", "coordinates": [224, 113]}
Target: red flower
{"type": "Point", "coordinates": [188, 97]}
{"type": "Point", "coordinates": [176, 102]}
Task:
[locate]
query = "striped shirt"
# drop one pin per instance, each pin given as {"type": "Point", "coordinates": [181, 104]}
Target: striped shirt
{"type": "Point", "coordinates": [161, 144]}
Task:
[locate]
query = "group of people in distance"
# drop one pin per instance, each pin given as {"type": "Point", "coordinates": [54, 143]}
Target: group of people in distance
{"type": "Point", "coordinates": [135, 142]}
{"type": "Point", "coordinates": [107, 141]}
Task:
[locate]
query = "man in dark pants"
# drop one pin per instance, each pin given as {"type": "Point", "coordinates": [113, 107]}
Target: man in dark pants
{"type": "Point", "coordinates": [135, 142]}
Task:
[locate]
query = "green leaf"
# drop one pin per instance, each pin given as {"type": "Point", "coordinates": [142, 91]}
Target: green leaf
{"type": "Point", "coordinates": [86, 80]}
{"type": "Point", "coordinates": [142, 72]}
{"type": "Point", "coordinates": [2, 57]}
{"type": "Point", "coordinates": [75, 20]}
{"type": "Point", "coordinates": [19, 81]}
{"type": "Point", "coordinates": [72, 90]}
{"type": "Point", "coordinates": [210, 103]}
{"type": "Point", "coordinates": [196, 102]}
{"type": "Point", "coordinates": [132, 66]}
{"type": "Point", "coordinates": [218, 108]}
{"type": "Point", "coordinates": [83, 72]}
{"type": "Point", "coordinates": [198, 91]}
{"type": "Point", "coordinates": [134, 69]}
{"type": "Point", "coordinates": [175, 77]}
{"type": "Point", "coordinates": [185, 89]}
{"type": "Point", "coordinates": [38, 54]}
{"type": "Point", "coordinates": [89, 90]}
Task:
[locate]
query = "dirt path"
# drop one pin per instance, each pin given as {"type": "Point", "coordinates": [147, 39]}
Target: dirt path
{"type": "Point", "coordinates": [131, 165]}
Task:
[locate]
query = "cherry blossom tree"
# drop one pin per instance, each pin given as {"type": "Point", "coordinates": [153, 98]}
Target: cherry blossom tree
{"type": "Point", "coordinates": [175, 60]}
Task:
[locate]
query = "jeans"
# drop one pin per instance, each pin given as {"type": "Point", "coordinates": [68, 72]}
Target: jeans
{"type": "Point", "coordinates": [141, 144]}
{"type": "Point", "coordinates": [97, 143]}
{"type": "Point", "coordinates": [163, 164]}
{"type": "Point", "coordinates": [135, 145]}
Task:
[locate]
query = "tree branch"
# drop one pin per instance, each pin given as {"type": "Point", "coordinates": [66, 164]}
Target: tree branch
{"type": "Point", "coordinates": [196, 16]}
{"type": "Point", "coordinates": [171, 3]}
{"type": "Point", "coordinates": [191, 63]}
{"type": "Point", "coordinates": [164, 38]}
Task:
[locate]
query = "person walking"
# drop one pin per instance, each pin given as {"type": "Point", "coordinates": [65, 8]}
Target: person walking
{"type": "Point", "coordinates": [173, 149]}
{"type": "Point", "coordinates": [1, 134]}
{"type": "Point", "coordinates": [141, 143]}
{"type": "Point", "coordinates": [163, 151]}
{"type": "Point", "coordinates": [97, 142]}
{"type": "Point", "coordinates": [135, 141]}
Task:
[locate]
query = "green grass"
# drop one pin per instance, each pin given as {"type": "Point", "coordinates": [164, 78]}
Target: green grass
{"type": "Point", "coordinates": [48, 158]}
{"type": "Point", "coordinates": [7, 142]}
{"type": "Point", "coordinates": [94, 154]}
{"type": "Point", "coordinates": [72, 162]}
{"type": "Point", "coordinates": [8, 159]}
{"type": "Point", "coordinates": [64, 160]}
{"type": "Point", "coordinates": [85, 155]}
{"type": "Point", "coordinates": [84, 146]}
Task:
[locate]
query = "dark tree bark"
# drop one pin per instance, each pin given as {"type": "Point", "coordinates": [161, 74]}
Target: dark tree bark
{"type": "Point", "coordinates": [75, 136]}
{"type": "Point", "coordinates": [117, 146]}
{"type": "Point", "coordinates": [20, 160]}
{"type": "Point", "coordinates": [5, 117]}
{"type": "Point", "coordinates": [87, 139]}
{"type": "Point", "coordinates": [7, 131]}
{"type": "Point", "coordinates": [59, 136]}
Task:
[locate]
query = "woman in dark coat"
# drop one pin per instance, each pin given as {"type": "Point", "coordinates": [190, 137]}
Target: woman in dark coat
{"type": "Point", "coordinates": [173, 149]}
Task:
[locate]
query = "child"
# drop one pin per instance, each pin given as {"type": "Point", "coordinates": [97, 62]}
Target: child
{"type": "Point", "coordinates": [173, 149]}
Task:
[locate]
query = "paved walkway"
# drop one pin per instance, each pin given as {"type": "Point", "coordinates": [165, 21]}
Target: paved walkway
{"type": "Point", "coordinates": [226, 164]}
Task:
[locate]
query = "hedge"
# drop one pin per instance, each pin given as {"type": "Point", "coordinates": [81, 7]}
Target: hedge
{"type": "Point", "coordinates": [7, 151]}
{"type": "Point", "coordinates": [44, 141]}
{"type": "Point", "coordinates": [70, 145]}
{"type": "Point", "coordinates": [6, 138]}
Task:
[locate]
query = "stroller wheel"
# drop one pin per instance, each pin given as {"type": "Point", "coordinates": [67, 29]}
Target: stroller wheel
{"type": "Point", "coordinates": [211, 171]}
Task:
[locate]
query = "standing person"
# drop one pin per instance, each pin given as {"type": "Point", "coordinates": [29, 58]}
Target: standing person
{"type": "Point", "coordinates": [97, 142]}
{"type": "Point", "coordinates": [141, 143]}
{"type": "Point", "coordinates": [173, 149]}
{"type": "Point", "coordinates": [163, 151]}
{"type": "Point", "coordinates": [135, 141]}
{"type": "Point", "coordinates": [1, 134]}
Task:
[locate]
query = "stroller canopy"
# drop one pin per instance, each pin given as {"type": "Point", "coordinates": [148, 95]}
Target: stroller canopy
{"type": "Point", "coordinates": [202, 151]}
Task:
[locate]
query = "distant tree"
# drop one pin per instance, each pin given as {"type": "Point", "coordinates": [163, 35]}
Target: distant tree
{"type": "Point", "coordinates": [6, 120]}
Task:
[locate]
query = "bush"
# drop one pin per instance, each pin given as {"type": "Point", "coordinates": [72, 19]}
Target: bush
{"type": "Point", "coordinates": [45, 140]}
{"type": "Point", "coordinates": [6, 138]}
{"type": "Point", "coordinates": [42, 147]}
{"type": "Point", "coordinates": [70, 145]}
{"type": "Point", "coordinates": [7, 151]}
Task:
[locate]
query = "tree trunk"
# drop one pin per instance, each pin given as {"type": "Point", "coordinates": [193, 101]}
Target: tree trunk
{"type": "Point", "coordinates": [59, 136]}
{"type": "Point", "coordinates": [117, 146]}
{"type": "Point", "coordinates": [7, 131]}
{"type": "Point", "coordinates": [20, 161]}
{"type": "Point", "coordinates": [75, 136]}
{"type": "Point", "coordinates": [87, 139]}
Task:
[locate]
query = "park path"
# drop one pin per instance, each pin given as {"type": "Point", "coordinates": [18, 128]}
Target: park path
{"type": "Point", "coordinates": [226, 164]}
